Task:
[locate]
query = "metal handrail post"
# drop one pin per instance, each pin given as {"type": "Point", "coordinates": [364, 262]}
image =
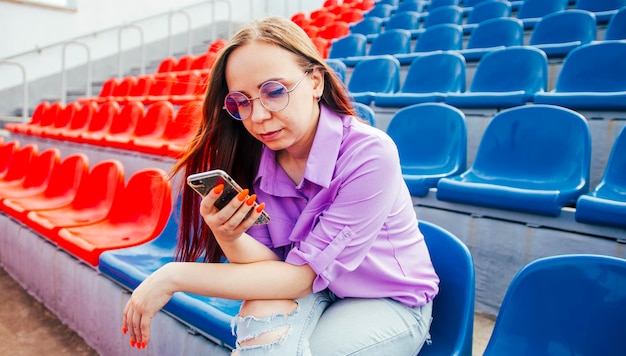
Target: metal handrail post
{"type": "Point", "coordinates": [142, 59]}
{"type": "Point", "coordinates": [169, 30]}
{"type": "Point", "coordinates": [24, 90]}
{"type": "Point", "coordinates": [64, 72]}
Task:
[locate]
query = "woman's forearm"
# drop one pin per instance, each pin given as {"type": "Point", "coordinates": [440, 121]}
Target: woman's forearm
{"type": "Point", "coordinates": [246, 249]}
{"type": "Point", "coordinates": [251, 281]}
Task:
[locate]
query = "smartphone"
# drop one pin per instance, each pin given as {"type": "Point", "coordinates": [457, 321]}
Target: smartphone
{"type": "Point", "coordinates": [205, 181]}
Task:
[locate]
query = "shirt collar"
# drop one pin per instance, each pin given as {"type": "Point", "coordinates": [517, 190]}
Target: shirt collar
{"type": "Point", "coordinates": [325, 149]}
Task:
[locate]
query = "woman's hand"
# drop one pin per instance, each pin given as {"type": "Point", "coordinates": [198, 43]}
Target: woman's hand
{"type": "Point", "coordinates": [147, 299]}
{"type": "Point", "coordinates": [229, 223]}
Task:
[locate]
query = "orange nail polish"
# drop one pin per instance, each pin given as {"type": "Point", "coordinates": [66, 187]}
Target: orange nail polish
{"type": "Point", "coordinates": [243, 195]}
{"type": "Point", "coordinates": [218, 189]}
{"type": "Point", "coordinates": [132, 343]}
{"type": "Point", "coordinates": [260, 207]}
{"type": "Point", "coordinates": [143, 345]}
{"type": "Point", "coordinates": [124, 330]}
{"type": "Point", "coordinates": [251, 200]}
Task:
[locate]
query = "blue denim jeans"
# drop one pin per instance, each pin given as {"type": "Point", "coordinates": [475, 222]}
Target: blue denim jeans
{"type": "Point", "coordinates": [323, 324]}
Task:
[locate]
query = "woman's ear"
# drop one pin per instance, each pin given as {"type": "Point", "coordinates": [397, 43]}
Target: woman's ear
{"type": "Point", "coordinates": [318, 82]}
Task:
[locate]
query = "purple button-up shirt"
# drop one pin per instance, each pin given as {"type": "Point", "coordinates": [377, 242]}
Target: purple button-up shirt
{"type": "Point", "coordinates": [351, 218]}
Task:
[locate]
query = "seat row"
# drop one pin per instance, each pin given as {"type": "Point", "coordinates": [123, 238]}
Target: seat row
{"type": "Point", "coordinates": [484, 37]}
{"type": "Point", "coordinates": [175, 87]}
{"type": "Point", "coordinates": [533, 159]}
{"type": "Point", "coordinates": [157, 128]}
{"type": "Point", "coordinates": [503, 78]}
{"type": "Point", "coordinates": [83, 210]}
{"type": "Point", "coordinates": [202, 62]}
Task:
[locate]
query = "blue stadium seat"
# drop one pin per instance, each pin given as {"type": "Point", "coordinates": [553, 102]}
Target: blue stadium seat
{"type": "Point", "coordinates": [410, 5]}
{"type": "Point", "coordinates": [130, 266]}
{"type": "Point", "coordinates": [606, 203]}
{"type": "Point", "coordinates": [406, 20]}
{"type": "Point", "coordinates": [485, 10]}
{"type": "Point", "coordinates": [616, 29]}
{"type": "Point", "coordinates": [549, 36]}
{"type": "Point", "coordinates": [604, 62]}
{"type": "Point", "coordinates": [443, 14]}
{"type": "Point", "coordinates": [365, 112]}
{"type": "Point", "coordinates": [532, 158]}
{"type": "Point", "coordinates": [434, 4]}
{"type": "Point", "coordinates": [452, 328]}
{"type": "Point", "coordinates": [352, 45]}
{"type": "Point", "coordinates": [380, 74]}
{"type": "Point", "coordinates": [381, 10]}
{"type": "Point", "coordinates": [505, 78]}
{"type": "Point", "coordinates": [429, 78]}
{"type": "Point", "coordinates": [368, 26]}
{"type": "Point", "coordinates": [388, 42]}
{"type": "Point", "coordinates": [563, 305]}
{"type": "Point", "coordinates": [491, 35]}
{"type": "Point", "coordinates": [338, 66]}
{"type": "Point", "coordinates": [531, 11]}
{"type": "Point", "coordinates": [432, 143]}
{"type": "Point", "coordinates": [444, 37]}
{"type": "Point", "coordinates": [602, 9]}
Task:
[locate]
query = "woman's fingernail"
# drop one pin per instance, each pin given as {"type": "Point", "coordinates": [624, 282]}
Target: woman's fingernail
{"type": "Point", "coordinates": [218, 189]}
{"type": "Point", "coordinates": [251, 200]}
{"type": "Point", "coordinates": [260, 207]}
{"type": "Point", "coordinates": [124, 330]}
{"type": "Point", "coordinates": [143, 345]}
{"type": "Point", "coordinates": [132, 343]}
{"type": "Point", "coordinates": [243, 195]}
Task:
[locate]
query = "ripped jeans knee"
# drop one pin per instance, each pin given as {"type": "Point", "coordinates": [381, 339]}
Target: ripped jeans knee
{"type": "Point", "coordinates": [285, 333]}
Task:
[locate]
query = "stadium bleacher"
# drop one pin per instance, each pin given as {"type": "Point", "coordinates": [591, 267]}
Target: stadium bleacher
{"type": "Point", "coordinates": [520, 152]}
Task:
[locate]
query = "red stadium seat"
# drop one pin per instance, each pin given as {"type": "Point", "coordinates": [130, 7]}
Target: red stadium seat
{"type": "Point", "coordinates": [22, 127]}
{"type": "Point", "coordinates": [62, 120]}
{"type": "Point", "coordinates": [61, 190]}
{"type": "Point", "coordinates": [99, 124]}
{"type": "Point", "coordinates": [137, 216]}
{"type": "Point", "coordinates": [122, 124]}
{"type": "Point", "coordinates": [80, 122]}
{"type": "Point", "coordinates": [166, 65]}
{"type": "Point", "coordinates": [36, 178]}
{"type": "Point", "coordinates": [149, 126]}
{"type": "Point", "coordinates": [92, 203]}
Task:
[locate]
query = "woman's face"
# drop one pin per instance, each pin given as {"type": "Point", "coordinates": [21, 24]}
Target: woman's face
{"type": "Point", "coordinates": [293, 128]}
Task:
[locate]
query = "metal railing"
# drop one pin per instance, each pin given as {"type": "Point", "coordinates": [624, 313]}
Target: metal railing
{"type": "Point", "coordinates": [142, 59]}
{"type": "Point", "coordinates": [64, 71]}
{"type": "Point", "coordinates": [25, 114]}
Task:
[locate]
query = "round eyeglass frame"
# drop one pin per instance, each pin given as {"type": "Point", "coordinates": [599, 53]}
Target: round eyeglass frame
{"type": "Point", "coordinates": [261, 100]}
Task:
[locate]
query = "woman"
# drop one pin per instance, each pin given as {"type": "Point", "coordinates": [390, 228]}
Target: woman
{"type": "Point", "coordinates": [342, 260]}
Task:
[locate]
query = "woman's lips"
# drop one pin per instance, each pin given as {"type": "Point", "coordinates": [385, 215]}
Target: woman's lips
{"type": "Point", "coordinates": [270, 135]}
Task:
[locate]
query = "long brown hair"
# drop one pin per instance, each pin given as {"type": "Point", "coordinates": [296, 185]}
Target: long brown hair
{"type": "Point", "coordinates": [222, 142]}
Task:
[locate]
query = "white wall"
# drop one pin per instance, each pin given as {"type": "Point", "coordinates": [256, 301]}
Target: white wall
{"type": "Point", "coordinates": [26, 28]}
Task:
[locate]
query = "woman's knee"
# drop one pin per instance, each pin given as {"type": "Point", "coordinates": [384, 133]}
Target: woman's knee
{"type": "Point", "coordinates": [262, 323]}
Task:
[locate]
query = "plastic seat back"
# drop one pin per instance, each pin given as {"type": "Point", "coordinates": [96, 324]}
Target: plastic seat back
{"type": "Point", "coordinates": [20, 163]}
{"type": "Point", "coordinates": [602, 61]}
{"type": "Point", "coordinates": [391, 42]}
{"type": "Point", "coordinates": [62, 120]}
{"type": "Point", "coordinates": [616, 29]}
{"type": "Point", "coordinates": [606, 203]}
{"type": "Point", "coordinates": [409, 5]}
{"type": "Point", "coordinates": [336, 29]}
{"type": "Point", "coordinates": [338, 67]}
{"type": "Point", "coordinates": [7, 149]}
{"type": "Point", "coordinates": [204, 61]}
{"type": "Point", "coordinates": [142, 86]}
{"type": "Point", "coordinates": [353, 45]}
{"type": "Point", "coordinates": [101, 120]}
{"type": "Point", "coordinates": [452, 328]}
{"type": "Point", "coordinates": [162, 84]}
{"type": "Point", "coordinates": [540, 8]}
{"type": "Point", "coordinates": [108, 86]}
{"type": "Point", "coordinates": [536, 145]}
{"type": "Point", "coordinates": [152, 124]}
{"type": "Point", "coordinates": [439, 3]}
{"type": "Point", "coordinates": [503, 31]}
{"type": "Point", "coordinates": [489, 9]}
{"type": "Point", "coordinates": [440, 72]}
{"type": "Point", "coordinates": [183, 63]}
{"type": "Point", "coordinates": [580, 25]}
{"type": "Point", "coordinates": [378, 74]}
{"type": "Point", "coordinates": [381, 10]}
{"type": "Point", "coordinates": [125, 121]}
{"type": "Point", "coordinates": [166, 65]}
{"type": "Point", "coordinates": [441, 37]}
{"type": "Point", "coordinates": [598, 6]}
{"type": "Point", "coordinates": [80, 121]}
{"type": "Point", "coordinates": [367, 26]}
{"type": "Point", "coordinates": [512, 69]}
{"type": "Point", "coordinates": [122, 89]}
{"type": "Point", "coordinates": [365, 112]}
{"type": "Point", "coordinates": [186, 83]}
{"type": "Point", "coordinates": [432, 143]}
{"type": "Point", "coordinates": [443, 14]}
{"type": "Point", "coordinates": [407, 20]}
{"type": "Point", "coordinates": [552, 322]}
